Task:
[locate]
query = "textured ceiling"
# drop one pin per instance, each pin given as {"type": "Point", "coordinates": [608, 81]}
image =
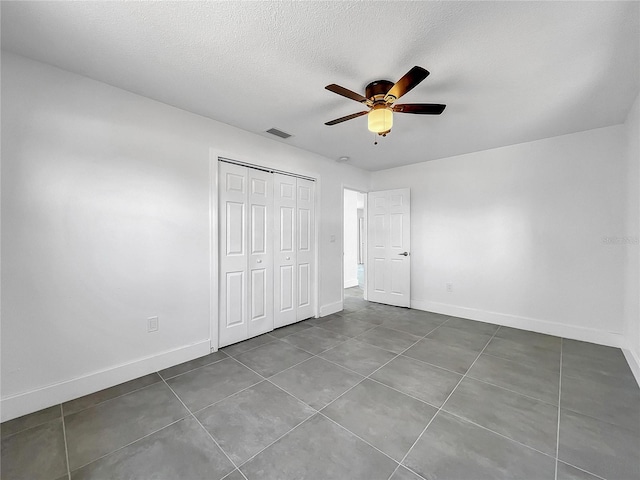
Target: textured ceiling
{"type": "Point", "coordinates": [509, 72]}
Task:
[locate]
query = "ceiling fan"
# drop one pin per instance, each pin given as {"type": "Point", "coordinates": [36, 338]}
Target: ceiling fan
{"type": "Point", "coordinates": [380, 96]}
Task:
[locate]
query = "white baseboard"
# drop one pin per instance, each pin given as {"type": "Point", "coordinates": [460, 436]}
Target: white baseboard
{"type": "Point", "coordinates": [32, 401]}
{"type": "Point", "coordinates": [334, 307]}
{"type": "Point", "coordinates": [353, 282]}
{"type": "Point", "coordinates": [634, 363]}
{"type": "Point", "coordinates": [574, 332]}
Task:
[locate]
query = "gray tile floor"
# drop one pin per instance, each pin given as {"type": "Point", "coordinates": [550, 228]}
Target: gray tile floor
{"type": "Point", "coordinates": [374, 392]}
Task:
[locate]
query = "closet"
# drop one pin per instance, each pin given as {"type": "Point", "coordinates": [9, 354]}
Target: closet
{"type": "Point", "coordinates": [266, 250]}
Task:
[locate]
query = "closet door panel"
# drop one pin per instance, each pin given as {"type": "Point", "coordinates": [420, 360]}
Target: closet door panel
{"type": "Point", "coordinates": [233, 254]}
{"type": "Point", "coordinates": [260, 255]}
{"type": "Point", "coordinates": [305, 248]}
{"type": "Point", "coordinates": [285, 266]}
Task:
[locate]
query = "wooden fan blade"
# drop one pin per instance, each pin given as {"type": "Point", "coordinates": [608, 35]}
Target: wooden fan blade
{"type": "Point", "coordinates": [345, 92]}
{"type": "Point", "coordinates": [419, 108]}
{"type": "Point", "coordinates": [412, 78]}
{"type": "Point", "coordinates": [348, 117]}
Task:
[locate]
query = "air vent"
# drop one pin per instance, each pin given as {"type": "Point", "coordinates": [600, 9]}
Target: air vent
{"type": "Point", "coordinates": [278, 133]}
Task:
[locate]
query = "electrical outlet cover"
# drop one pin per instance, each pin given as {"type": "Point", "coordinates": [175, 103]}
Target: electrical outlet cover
{"type": "Point", "coordinates": [153, 324]}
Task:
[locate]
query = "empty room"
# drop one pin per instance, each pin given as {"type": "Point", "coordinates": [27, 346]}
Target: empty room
{"type": "Point", "coordinates": [320, 240]}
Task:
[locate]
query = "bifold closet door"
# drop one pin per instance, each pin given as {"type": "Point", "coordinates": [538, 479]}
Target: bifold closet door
{"type": "Point", "coordinates": [246, 261]}
{"type": "Point", "coordinates": [294, 258]}
{"type": "Point", "coordinates": [306, 252]}
{"type": "Point", "coordinates": [260, 246]}
{"type": "Point", "coordinates": [285, 192]}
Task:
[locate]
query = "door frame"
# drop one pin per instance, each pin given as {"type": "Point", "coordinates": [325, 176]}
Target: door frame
{"type": "Point", "coordinates": [366, 239]}
{"type": "Point", "coordinates": [214, 239]}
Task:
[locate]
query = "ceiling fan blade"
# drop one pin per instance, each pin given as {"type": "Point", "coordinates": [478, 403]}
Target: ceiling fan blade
{"type": "Point", "coordinates": [412, 78]}
{"type": "Point", "coordinates": [419, 108]}
{"type": "Point", "coordinates": [345, 92]}
{"type": "Point", "coordinates": [348, 117]}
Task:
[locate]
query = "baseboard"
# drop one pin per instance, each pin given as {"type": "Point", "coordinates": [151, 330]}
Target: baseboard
{"type": "Point", "coordinates": [574, 332]}
{"type": "Point", "coordinates": [334, 307]}
{"type": "Point", "coordinates": [634, 363]}
{"type": "Point", "coordinates": [351, 283]}
{"type": "Point", "coordinates": [29, 402]}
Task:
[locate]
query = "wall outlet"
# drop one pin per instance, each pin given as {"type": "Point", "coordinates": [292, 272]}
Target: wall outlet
{"type": "Point", "coordinates": [153, 325]}
{"type": "Point", "coordinates": [449, 287]}
{"type": "Point", "coordinates": [332, 239]}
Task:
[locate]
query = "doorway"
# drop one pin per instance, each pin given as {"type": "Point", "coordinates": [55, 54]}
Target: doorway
{"type": "Point", "coordinates": [354, 243]}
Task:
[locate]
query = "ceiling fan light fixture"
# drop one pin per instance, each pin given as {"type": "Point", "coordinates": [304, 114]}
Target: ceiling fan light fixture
{"type": "Point", "coordinates": [380, 99]}
{"type": "Point", "coordinates": [380, 119]}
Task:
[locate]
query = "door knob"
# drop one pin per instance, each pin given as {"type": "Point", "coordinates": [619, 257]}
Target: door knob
{"type": "Point", "coordinates": [288, 258]}
{"type": "Point", "coordinates": [404, 254]}
{"type": "Point", "coordinates": [259, 261]}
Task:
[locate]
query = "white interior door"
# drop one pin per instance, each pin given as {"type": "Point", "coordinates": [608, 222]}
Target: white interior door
{"type": "Point", "coordinates": [233, 254]}
{"type": "Point", "coordinates": [305, 255]}
{"type": "Point", "coordinates": [260, 250]}
{"type": "Point", "coordinates": [246, 258]}
{"type": "Point", "coordinates": [389, 247]}
{"type": "Point", "coordinates": [285, 266]}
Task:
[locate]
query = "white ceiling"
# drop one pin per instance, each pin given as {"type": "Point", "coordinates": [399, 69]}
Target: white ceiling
{"type": "Point", "coordinates": [509, 72]}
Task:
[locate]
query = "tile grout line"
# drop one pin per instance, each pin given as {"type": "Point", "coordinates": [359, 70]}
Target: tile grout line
{"type": "Point", "coordinates": [562, 339]}
{"type": "Point", "coordinates": [422, 337]}
{"type": "Point", "coordinates": [441, 407]}
{"type": "Point", "coordinates": [559, 400]}
{"type": "Point", "coordinates": [288, 368]}
{"type": "Point", "coordinates": [457, 415]}
{"type": "Point", "coordinates": [345, 392]}
{"type": "Point", "coordinates": [517, 361]}
{"type": "Point", "coordinates": [359, 437]}
{"type": "Point", "coordinates": [590, 417]}
{"type": "Point", "coordinates": [129, 444]}
{"type": "Point", "coordinates": [117, 396]}
{"type": "Point", "coordinates": [394, 472]}
{"type": "Point", "coordinates": [265, 379]}
{"type": "Point", "coordinates": [409, 333]}
{"type": "Point", "coordinates": [480, 380]}
{"type": "Point", "coordinates": [382, 383]}
{"type": "Point", "coordinates": [276, 440]}
{"type": "Point", "coordinates": [582, 470]}
{"type": "Point", "coordinates": [381, 366]}
{"type": "Point", "coordinates": [91, 406]}
{"type": "Point", "coordinates": [367, 330]}
{"type": "Point", "coordinates": [275, 339]}
{"type": "Point", "coordinates": [66, 448]}
{"type": "Point", "coordinates": [235, 467]}
{"type": "Point", "coordinates": [227, 397]}
{"type": "Point", "coordinates": [318, 412]}
{"type": "Point", "coordinates": [340, 342]}
{"type": "Point", "coordinates": [448, 397]}
{"type": "Point", "coordinates": [193, 369]}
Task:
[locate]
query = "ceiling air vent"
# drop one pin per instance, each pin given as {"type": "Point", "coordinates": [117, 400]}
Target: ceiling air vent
{"type": "Point", "coordinates": [278, 133]}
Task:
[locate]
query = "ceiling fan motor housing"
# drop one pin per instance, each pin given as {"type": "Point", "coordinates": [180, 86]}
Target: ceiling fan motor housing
{"type": "Point", "coordinates": [378, 89]}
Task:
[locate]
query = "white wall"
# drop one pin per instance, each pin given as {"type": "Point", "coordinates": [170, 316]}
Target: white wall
{"type": "Point", "coordinates": [105, 212]}
{"type": "Point", "coordinates": [519, 231]}
{"type": "Point", "coordinates": [350, 238]}
{"type": "Point", "coordinates": [632, 264]}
